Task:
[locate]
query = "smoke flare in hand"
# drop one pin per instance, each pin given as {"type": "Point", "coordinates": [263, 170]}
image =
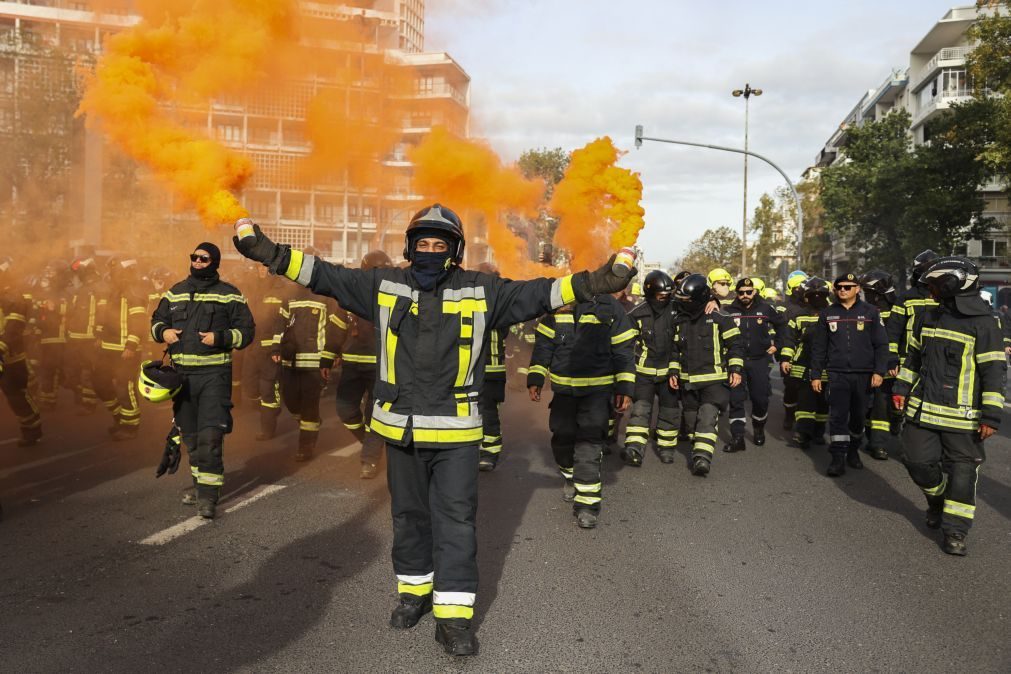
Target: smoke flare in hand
{"type": "Point", "coordinates": [598, 205]}
{"type": "Point", "coordinates": [182, 53]}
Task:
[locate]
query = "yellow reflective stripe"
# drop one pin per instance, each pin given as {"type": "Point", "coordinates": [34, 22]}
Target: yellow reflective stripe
{"type": "Point", "coordinates": [448, 435]}
{"type": "Point", "coordinates": [947, 334]}
{"type": "Point", "coordinates": [623, 337]}
{"type": "Point", "coordinates": [586, 500]}
{"type": "Point", "coordinates": [358, 358]}
{"type": "Point", "coordinates": [304, 425]}
{"type": "Point", "coordinates": [993, 399]}
{"type": "Point", "coordinates": [420, 590]}
{"type": "Point", "coordinates": [467, 306]}
{"type": "Point", "coordinates": [236, 337]}
{"type": "Point", "coordinates": [391, 352]}
{"type": "Point", "coordinates": [788, 352]}
{"type": "Point", "coordinates": [546, 331]}
{"type": "Point", "coordinates": [732, 332]}
{"type": "Point", "coordinates": [959, 509]}
{"type": "Point", "coordinates": [389, 432]}
{"type": "Point", "coordinates": [136, 310]}
{"type": "Point", "coordinates": [990, 356]}
{"type": "Point", "coordinates": [538, 369]}
{"type": "Point", "coordinates": [581, 381]}
{"type": "Point", "coordinates": [596, 486]}
{"type": "Point", "coordinates": [495, 368]}
{"type": "Point", "coordinates": [625, 376]}
{"type": "Point", "coordinates": [908, 376]}
{"type": "Point", "coordinates": [589, 318]}
{"type": "Point", "coordinates": [452, 611]}
{"type": "Point", "coordinates": [879, 425]}
{"type": "Point", "coordinates": [706, 436]}
{"type": "Point", "coordinates": [735, 361]}
{"type": "Point", "coordinates": [194, 359]}
{"type": "Point", "coordinates": [959, 412]}
{"type": "Point", "coordinates": [212, 479]}
{"type": "Point", "coordinates": [565, 318]}
{"type": "Point", "coordinates": [294, 264]}
{"type": "Point", "coordinates": [949, 422]}
{"type": "Point", "coordinates": [699, 378]}
{"type": "Point", "coordinates": [650, 370]}
{"type": "Point", "coordinates": [939, 489]}
{"type": "Point", "coordinates": [338, 322]}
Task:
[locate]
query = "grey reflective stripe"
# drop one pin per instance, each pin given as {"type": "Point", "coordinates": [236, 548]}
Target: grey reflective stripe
{"type": "Point", "coordinates": [475, 349]}
{"type": "Point", "coordinates": [475, 292]}
{"type": "Point", "coordinates": [384, 324]}
{"type": "Point", "coordinates": [556, 294]}
{"type": "Point", "coordinates": [446, 422]}
{"type": "Point", "coordinates": [305, 273]}
{"type": "Point", "coordinates": [394, 288]}
{"type": "Point", "coordinates": [389, 418]}
{"type": "Point", "coordinates": [839, 438]}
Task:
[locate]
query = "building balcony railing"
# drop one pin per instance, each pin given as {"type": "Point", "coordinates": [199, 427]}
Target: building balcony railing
{"type": "Point", "coordinates": [947, 57]}
{"type": "Point", "coordinates": [986, 263]}
{"type": "Point", "coordinates": [439, 91]}
{"type": "Point", "coordinates": [942, 101]}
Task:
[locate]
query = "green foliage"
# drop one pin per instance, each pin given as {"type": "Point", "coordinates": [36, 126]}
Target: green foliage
{"type": "Point", "coordinates": [720, 247]}
{"type": "Point", "coordinates": [772, 240]}
{"type": "Point", "coordinates": [989, 66]}
{"type": "Point", "coordinates": [549, 166]}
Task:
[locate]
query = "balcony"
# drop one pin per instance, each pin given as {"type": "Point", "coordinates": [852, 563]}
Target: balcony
{"type": "Point", "coordinates": [949, 57]}
{"type": "Point", "coordinates": [942, 101]}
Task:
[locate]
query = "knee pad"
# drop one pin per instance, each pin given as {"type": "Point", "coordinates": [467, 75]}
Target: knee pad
{"type": "Point", "coordinates": [924, 474]}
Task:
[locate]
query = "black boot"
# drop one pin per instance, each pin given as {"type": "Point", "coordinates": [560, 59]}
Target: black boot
{"type": "Point", "coordinates": [306, 445]}
{"type": "Point", "coordinates": [666, 456]}
{"type": "Point", "coordinates": [802, 440]}
{"type": "Point", "coordinates": [837, 467]}
{"type": "Point", "coordinates": [487, 462]}
{"type": "Point", "coordinates": [736, 444]}
{"type": "Point", "coordinates": [409, 611]}
{"type": "Point", "coordinates": [954, 544]}
{"type": "Point", "coordinates": [586, 519]}
{"type": "Point", "coordinates": [268, 424]}
{"type": "Point", "coordinates": [456, 636]}
{"type": "Point", "coordinates": [759, 428]}
{"type": "Point", "coordinates": [207, 501]}
{"type": "Point", "coordinates": [879, 453]}
{"type": "Point", "coordinates": [700, 466]}
{"type": "Point", "coordinates": [935, 509]}
{"type": "Point", "coordinates": [788, 420]}
{"type": "Point", "coordinates": [631, 457]}
{"type": "Point", "coordinates": [30, 436]}
{"type": "Point", "coordinates": [853, 458]}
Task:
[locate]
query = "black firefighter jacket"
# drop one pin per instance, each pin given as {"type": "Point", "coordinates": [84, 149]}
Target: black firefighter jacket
{"type": "Point", "coordinates": [707, 349]}
{"type": "Point", "coordinates": [654, 344]}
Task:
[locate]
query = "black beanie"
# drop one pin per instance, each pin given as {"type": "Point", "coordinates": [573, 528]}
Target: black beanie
{"type": "Point", "coordinates": [211, 270]}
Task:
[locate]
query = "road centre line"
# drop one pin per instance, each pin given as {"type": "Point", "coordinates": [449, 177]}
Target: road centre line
{"type": "Point", "coordinates": [194, 523]}
{"type": "Point", "coordinates": [348, 451]}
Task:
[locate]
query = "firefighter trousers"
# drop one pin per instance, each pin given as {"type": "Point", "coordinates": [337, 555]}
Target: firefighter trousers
{"type": "Point", "coordinates": [115, 379]}
{"type": "Point", "coordinates": [849, 395]}
{"type": "Point", "coordinates": [79, 358]}
{"type": "Point", "coordinates": [668, 419]}
{"type": "Point", "coordinates": [702, 409]}
{"type": "Point", "coordinates": [51, 372]}
{"type": "Point", "coordinates": [268, 385]}
{"type": "Point", "coordinates": [791, 396]}
{"type": "Point", "coordinates": [756, 385]}
{"type": "Point", "coordinates": [354, 407]}
{"type": "Point", "coordinates": [14, 384]}
{"type": "Point", "coordinates": [203, 413]}
{"type": "Point", "coordinates": [812, 410]}
{"type": "Point", "coordinates": [945, 465]}
{"type": "Point", "coordinates": [492, 397]}
{"type": "Point", "coordinates": [433, 501]}
{"type": "Point", "coordinates": [301, 390]}
{"type": "Point", "coordinates": [879, 418]}
{"type": "Point", "coordinates": [578, 427]}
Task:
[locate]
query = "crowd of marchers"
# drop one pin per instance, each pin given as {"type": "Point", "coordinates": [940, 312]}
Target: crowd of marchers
{"type": "Point", "coordinates": [420, 355]}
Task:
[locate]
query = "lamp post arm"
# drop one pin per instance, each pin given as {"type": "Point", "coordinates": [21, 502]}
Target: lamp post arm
{"type": "Point", "coordinates": [796, 197]}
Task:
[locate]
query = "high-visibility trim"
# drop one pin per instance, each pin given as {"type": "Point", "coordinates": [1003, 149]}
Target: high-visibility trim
{"type": "Point", "coordinates": [210, 479]}
{"type": "Point", "coordinates": [702, 448]}
{"type": "Point", "coordinates": [951, 335]}
{"type": "Point", "coordinates": [154, 329]}
{"type": "Point", "coordinates": [664, 433]}
{"type": "Point", "coordinates": [787, 352]}
{"type": "Point", "coordinates": [566, 472]}
{"type": "Point", "coordinates": [195, 360]}
{"type": "Point", "coordinates": [990, 356]}
{"type": "Point", "coordinates": [939, 489]}
{"type": "Point", "coordinates": [876, 425]}
{"type": "Point", "coordinates": [627, 377]}
{"type": "Point", "coordinates": [358, 358]}
{"type": "Point", "coordinates": [446, 611]}
{"type": "Point", "coordinates": [583, 499]}
{"type": "Point", "coordinates": [448, 436]}
{"type": "Point", "coordinates": [993, 399]}
{"type": "Point", "coordinates": [706, 436]}
{"type": "Point", "coordinates": [739, 362]}
{"type": "Point", "coordinates": [546, 331]}
{"type": "Point", "coordinates": [623, 337]}
{"type": "Point", "coordinates": [16, 317]}
{"type": "Point", "coordinates": [419, 590]}
{"type": "Point", "coordinates": [338, 322]}
{"type": "Point", "coordinates": [584, 487]}
{"type": "Point", "coordinates": [236, 338]}
{"type": "Point", "coordinates": [801, 414]}
{"type": "Point", "coordinates": [948, 422]}
{"type": "Point", "coordinates": [579, 382]}
{"type": "Point", "coordinates": [701, 378]}
{"type": "Point", "coordinates": [538, 369]}
{"type": "Point", "coordinates": [194, 471]}
{"type": "Point", "coordinates": [312, 426]}
{"type": "Point", "coordinates": [964, 510]}
{"type": "Point", "coordinates": [495, 368]}
{"type": "Point", "coordinates": [353, 426]}
{"type": "Point", "coordinates": [306, 304]}
{"type": "Point", "coordinates": [651, 371]}
{"type": "Point", "coordinates": [491, 449]}
{"type": "Point", "coordinates": [136, 311]}
{"type": "Point", "coordinates": [453, 598]}
{"type": "Point", "coordinates": [565, 318]}
{"type": "Point", "coordinates": [561, 292]}
{"type": "Point", "coordinates": [908, 376]}
{"type": "Point", "coordinates": [732, 332]}
{"type": "Point", "coordinates": [590, 318]}
{"type": "Point", "coordinates": [958, 412]}
{"type": "Point", "coordinates": [295, 260]}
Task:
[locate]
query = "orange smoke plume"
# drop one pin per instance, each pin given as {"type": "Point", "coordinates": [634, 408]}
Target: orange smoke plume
{"type": "Point", "coordinates": [181, 54]}
{"type": "Point", "coordinates": [466, 175]}
{"type": "Point", "coordinates": [598, 205]}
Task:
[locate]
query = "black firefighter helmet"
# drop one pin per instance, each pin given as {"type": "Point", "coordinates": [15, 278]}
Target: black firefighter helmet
{"type": "Point", "coordinates": [435, 220]}
{"type": "Point", "coordinates": [657, 287]}
{"type": "Point", "coordinates": [922, 263]}
{"type": "Point", "coordinates": [816, 292]}
{"type": "Point", "coordinates": [878, 283]}
{"type": "Point", "coordinates": [693, 293]}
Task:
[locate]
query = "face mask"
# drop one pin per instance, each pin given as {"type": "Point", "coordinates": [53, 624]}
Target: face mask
{"type": "Point", "coordinates": [658, 304]}
{"type": "Point", "coordinates": [430, 268]}
{"type": "Point", "coordinates": [208, 272]}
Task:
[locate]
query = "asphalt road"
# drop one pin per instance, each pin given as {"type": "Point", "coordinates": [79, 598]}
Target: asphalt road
{"type": "Point", "coordinates": [767, 564]}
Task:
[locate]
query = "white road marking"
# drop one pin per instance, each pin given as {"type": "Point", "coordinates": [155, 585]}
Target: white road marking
{"type": "Point", "coordinates": [43, 461]}
{"type": "Point", "coordinates": [350, 450]}
{"type": "Point", "coordinates": [193, 523]}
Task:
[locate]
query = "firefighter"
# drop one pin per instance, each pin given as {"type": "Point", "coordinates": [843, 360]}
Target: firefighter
{"type": "Point", "coordinates": [952, 388]}
{"type": "Point", "coordinates": [14, 371]}
{"type": "Point", "coordinates": [909, 304]}
{"type": "Point", "coordinates": [80, 350]}
{"type": "Point", "coordinates": [811, 410]}
{"type": "Point", "coordinates": [119, 325]}
{"type": "Point", "coordinates": [157, 282]}
{"type": "Point", "coordinates": [793, 307]}
{"type": "Point", "coordinates": [849, 349]}
{"type": "Point", "coordinates": [306, 351]}
{"type": "Point", "coordinates": [879, 291]}
{"type": "Point", "coordinates": [653, 321]}
{"type": "Point", "coordinates": [707, 364]}
{"type": "Point", "coordinates": [203, 319]}
{"type": "Point", "coordinates": [586, 352]}
{"type": "Point", "coordinates": [493, 391]}
{"type": "Point", "coordinates": [431, 322]}
{"type": "Point", "coordinates": [262, 370]}
{"type": "Point", "coordinates": [51, 323]}
{"type": "Point", "coordinates": [357, 344]}
{"type": "Point", "coordinates": [720, 281]}
{"type": "Point", "coordinates": [760, 325]}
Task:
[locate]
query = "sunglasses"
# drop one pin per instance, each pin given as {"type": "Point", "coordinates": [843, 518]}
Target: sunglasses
{"type": "Point", "coordinates": [199, 258]}
{"type": "Point", "coordinates": [745, 292]}
{"type": "Point", "coordinates": [846, 287]}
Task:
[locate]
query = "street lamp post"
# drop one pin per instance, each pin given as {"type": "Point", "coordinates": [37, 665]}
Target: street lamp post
{"type": "Point", "coordinates": [796, 197]}
{"type": "Point", "coordinates": [747, 92]}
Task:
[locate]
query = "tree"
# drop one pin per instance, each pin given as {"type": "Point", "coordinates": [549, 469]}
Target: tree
{"type": "Point", "coordinates": [720, 247]}
{"type": "Point", "coordinates": [989, 66]}
{"type": "Point", "coordinates": [770, 223]}
{"type": "Point", "coordinates": [549, 166]}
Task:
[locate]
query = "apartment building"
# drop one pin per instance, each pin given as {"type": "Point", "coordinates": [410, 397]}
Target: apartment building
{"type": "Point", "coordinates": [932, 82]}
{"type": "Point", "coordinates": [343, 217]}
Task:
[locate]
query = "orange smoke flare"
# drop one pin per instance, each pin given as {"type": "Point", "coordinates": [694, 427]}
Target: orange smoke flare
{"type": "Point", "coordinates": [598, 205]}
{"type": "Point", "coordinates": [466, 175]}
{"type": "Point", "coordinates": [182, 53]}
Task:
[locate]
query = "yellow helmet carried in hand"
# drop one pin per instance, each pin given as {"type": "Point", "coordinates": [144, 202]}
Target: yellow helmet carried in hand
{"type": "Point", "coordinates": [158, 382]}
{"type": "Point", "coordinates": [719, 274]}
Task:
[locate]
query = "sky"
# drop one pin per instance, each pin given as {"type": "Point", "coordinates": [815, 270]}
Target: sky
{"type": "Point", "coordinates": [559, 73]}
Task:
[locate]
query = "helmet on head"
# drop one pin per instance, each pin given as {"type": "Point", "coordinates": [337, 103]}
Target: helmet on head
{"type": "Point", "coordinates": [878, 283]}
{"type": "Point", "coordinates": [922, 263]}
{"type": "Point", "coordinates": [657, 287]}
{"type": "Point", "coordinates": [816, 292]}
{"type": "Point", "coordinates": [795, 278]}
{"type": "Point", "coordinates": [719, 274]}
{"type": "Point", "coordinates": [758, 284]}
{"type": "Point", "coordinates": [693, 293]}
{"type": "Point", "coordinates": [435, 220]}
{"type": "Point", "coordinates": [952, 276]}
{"type": "Point", "coordinates": [770, 293]}
{"type": "Point", "coordinates": [376, 258]}
{"type": "Point", "coordinates": [158, 382]}
{"type": "Point", "coordinates": [681, 276]}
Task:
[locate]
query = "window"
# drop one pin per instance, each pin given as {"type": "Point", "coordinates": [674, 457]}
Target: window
{"type": "Point", "coordinates": [992, 248]}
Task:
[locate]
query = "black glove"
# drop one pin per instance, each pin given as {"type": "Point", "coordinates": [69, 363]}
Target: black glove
{"type": "Point", "coordinates": [262, 249]}
{"type": "Point", "coordinates": [588, 284]}
{"type": "Point", "coordinates": [171, 456]}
